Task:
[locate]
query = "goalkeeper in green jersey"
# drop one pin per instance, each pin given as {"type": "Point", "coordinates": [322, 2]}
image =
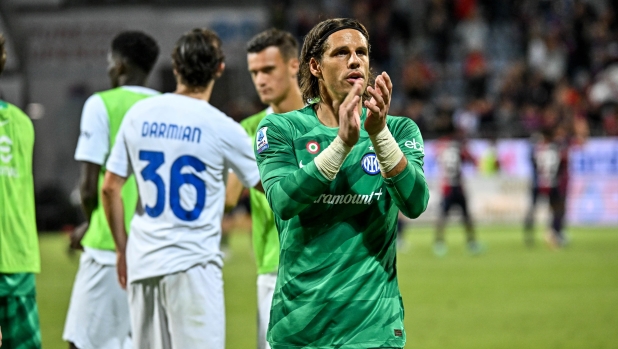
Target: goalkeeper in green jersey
{"type": "Point", "coordinates": [272, 59]}
{"type": "Point", "coordinates": [19, 244]}
{"type": "Point", "coordinates": [336, 173]}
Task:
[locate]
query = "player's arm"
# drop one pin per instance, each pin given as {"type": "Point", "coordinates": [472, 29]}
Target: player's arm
{"type": "Point", "coordinates": [92, 149]}
{"type": "Point", "coordinates": [233, 190]}
{"type": "Point", "coordinates": [408, 188]}
{"type": "Point", "coordinates": [236, 146]}
{"type": "Point", "coordinates": [289, 189]}
{"type": "Point", "coordinates": [118, 170]}
{"type": "Point", "coordinates": [89, 194]}
{"type": "Point", "coordinates": [402, 169]}
{"type": "Point", "coordinates": [88, 187]}
{"type": "Point", "coordinates": [114, 212]}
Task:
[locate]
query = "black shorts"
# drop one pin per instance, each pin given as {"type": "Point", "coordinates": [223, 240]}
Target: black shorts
{"type": "Point", "coordinates": [455, 197]}
{"type": "Point", "coordinates": [555, 196]}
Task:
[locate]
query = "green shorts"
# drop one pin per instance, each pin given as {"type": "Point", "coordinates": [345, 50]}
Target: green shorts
{"type": "Point", "coordinates": [19, 316]}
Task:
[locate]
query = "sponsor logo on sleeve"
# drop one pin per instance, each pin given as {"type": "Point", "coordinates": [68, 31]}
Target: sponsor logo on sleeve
{"type": "Point", "coordinates": [369, 163]}
{"type": "Point", "coordinates": [261, 141]}
{"type": "Point", "coordinates": [413, 144]}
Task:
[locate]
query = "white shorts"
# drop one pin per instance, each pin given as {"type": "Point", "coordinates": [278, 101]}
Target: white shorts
{"type": "Point", "coordinates": [266, 289]}
{"type": "Point", "coordinates": [180, 310]}
{"type": "Point", "coordinates": [98, 316]}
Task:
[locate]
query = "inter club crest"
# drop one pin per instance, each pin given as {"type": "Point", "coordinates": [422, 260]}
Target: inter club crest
{"type": "Point", "coordinates": [369, 163]}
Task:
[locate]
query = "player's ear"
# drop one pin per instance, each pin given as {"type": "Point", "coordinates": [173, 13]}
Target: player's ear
{"type": "Point", "coordinates": [220, 70]}
{"type": "Point", "coordinates": [293, 66]}
{"type": "Point", "coordinates": [122, 66]}
{"type": "Point", "coordinates": [314, 68]}
{"type": "Point", "coordinates": [176, 75]}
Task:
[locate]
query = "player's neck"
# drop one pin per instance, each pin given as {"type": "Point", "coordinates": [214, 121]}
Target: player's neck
{"type": "Point", "coordinates": [202, 93]}
{"type": "Point", "coordinates": [134, 79]}
{"type": "Point", "coordinates": [293, 101]}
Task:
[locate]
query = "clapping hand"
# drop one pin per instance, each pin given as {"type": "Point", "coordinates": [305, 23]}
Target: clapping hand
{"type": "Point", "coordinates": [349, 116]}
{"type": "Point", "coordinates": [379, 104]}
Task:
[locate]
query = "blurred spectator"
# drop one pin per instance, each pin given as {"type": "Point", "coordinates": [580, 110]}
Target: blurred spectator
{"type": "Point", "coordinates": [465, 8]}
{"type": "Point", "coordinates": [380, 39]}
{"type": "Point", "coordinates": [579, 52]}
{"type": "Point", "coordinates": [306, 18]}
{"type": "Point", "coordinates": [414, 110]}
{"type": "Point", "coordinates": [417, 79]}
{"type": "Point", "coordinates": [443, 118]}
{"type": "Point", "coordinates": [605, 89]}
{"type": "Point", "coordinates": [531, 118]}
{"type": "Point", "coordinates": [438, 24]}
{"type": "Point", "coordinates": [466, 119]}
{"type": "Point", "coordinates": [473, 31]}
{"type": "Point", "coordinates": [548, 56]}
{"type": "Point", "coordinates": [610, 120]}
{"type": "Point", "coordinates": [476, 74]}
{"type": "Point", "coordinates": [538, 91]}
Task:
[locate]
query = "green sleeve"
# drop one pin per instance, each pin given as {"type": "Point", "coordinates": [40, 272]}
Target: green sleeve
{"type": "Point", "coordinates": [289, 189]}
{"type": "Point", "coordinates": [409, 188]}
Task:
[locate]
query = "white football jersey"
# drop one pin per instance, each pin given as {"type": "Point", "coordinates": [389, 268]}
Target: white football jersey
{"type": "Point", "coordinates": [180, 150]}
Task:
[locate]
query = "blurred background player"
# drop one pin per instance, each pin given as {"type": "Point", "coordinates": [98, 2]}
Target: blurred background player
{"type": "Point", "coordinates": [19, 244]}
{"type": "Point", "coordinates": [550, 178]}
{"type": "Point", "coordinates": [272, 58]}
{"type": "Point", "coordinates": [180, 148]}
{"type": "Point", "coordinates": [98, 315]}
{"type": "Point", "coordinates": [336, 178]}
{"type": "Point", "coordinates": [452, 154]}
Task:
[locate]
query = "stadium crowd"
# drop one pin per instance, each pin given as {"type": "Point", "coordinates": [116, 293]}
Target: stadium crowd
{"type": "Point", "coordinates": [500, 68]}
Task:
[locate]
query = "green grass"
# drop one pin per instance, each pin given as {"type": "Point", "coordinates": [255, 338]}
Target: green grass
{"type": "Point", "coordinates": [509, 297]}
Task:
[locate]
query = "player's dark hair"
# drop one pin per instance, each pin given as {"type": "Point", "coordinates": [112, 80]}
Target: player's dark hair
{"type": "Point", "coordinates": [315, 45]}
{"type": "Point", "coordinates": [2, 53]}
{"type": "Point", "coordinates": [138, 48]}
{"type": "Point", "coordinates": [197, 57]}
{"type": "Point", "coordinates": [284, 41]}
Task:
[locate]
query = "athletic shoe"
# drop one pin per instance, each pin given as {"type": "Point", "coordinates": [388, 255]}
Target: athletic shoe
{"type": "Point", "coordinates": [440, 249]}
{"type": "Point", "coordinates": [552, 239]}
{"type": "Point", "coordinates": [475, 248]}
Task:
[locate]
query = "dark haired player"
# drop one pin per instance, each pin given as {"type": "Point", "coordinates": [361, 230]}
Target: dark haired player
{"type": "Point", "coordinates": [272, 58]}
{"type": "Point", "coordinates": [336, 174]}
{"type": "Point", "coordinates": [19, 244]}
{"type": "Point", "coordinates": [452, 154]}
{"type": "Point", "coordinates": [180, 149]}
{"type": "Point", "coordinates": [98, 315]}
{"type": "Point", "coordinates": [550, 178]}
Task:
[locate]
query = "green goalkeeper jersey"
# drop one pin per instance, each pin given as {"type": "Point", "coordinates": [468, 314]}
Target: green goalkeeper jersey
{"type": "Point", "coordinates": [264, 231]}
{"type": "Point", "coordinates": [19, 244]}
{"type": "Point", "coordinates": [337, 278]}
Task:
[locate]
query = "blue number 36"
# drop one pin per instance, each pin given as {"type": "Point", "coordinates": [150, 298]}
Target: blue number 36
{"type": "Point", "coordinates": [177, 179]}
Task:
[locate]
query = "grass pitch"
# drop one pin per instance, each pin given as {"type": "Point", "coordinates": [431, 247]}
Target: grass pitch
{"type": "Point", "coordinates": [509, 297]}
